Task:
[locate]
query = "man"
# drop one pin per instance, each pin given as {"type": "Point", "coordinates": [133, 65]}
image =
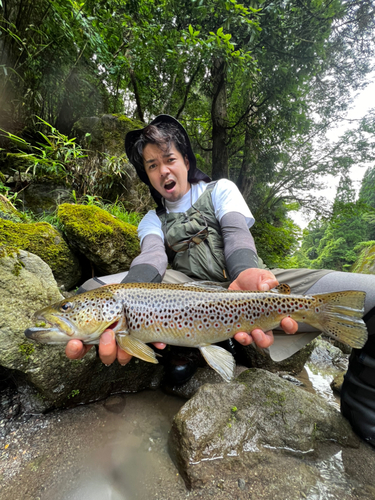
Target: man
{"type": "Point", "coordinates": [202, 229]}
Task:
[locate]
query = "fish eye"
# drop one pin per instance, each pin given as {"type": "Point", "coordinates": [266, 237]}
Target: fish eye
{"type": "Point", "coordinates": [66, 307]}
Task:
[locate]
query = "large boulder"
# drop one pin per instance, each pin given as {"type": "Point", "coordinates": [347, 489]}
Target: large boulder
{"type": "Point", "coordinates": [44, 375]}
{"type": "Point", "coordinates": [227, 430]}
{"type": "Point", "coordinates": [44, 196]}
{"type": "Point", "coordinates": [45, 241]}
{"type": "Point", "coordinates": [108, 243]}
{"type": "Point", "coordinates": [106, 133]}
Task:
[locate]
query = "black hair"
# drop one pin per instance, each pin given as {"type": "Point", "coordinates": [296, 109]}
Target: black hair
{"type": "Point", "coordinates": [164, 130]}
{"type": "Point", "coordinates": [163, 135]}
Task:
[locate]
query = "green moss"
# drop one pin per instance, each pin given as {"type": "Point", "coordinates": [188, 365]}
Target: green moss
{"type": "Point", "coordinates": [8, 251]}
{"type": "Point", "coordinates": [18, 265]}
{"type": "Point", "coordinates": [275, 398]}
{"type": "Point", "coordinates": [26, 349]}
{"type": "Point", "coordinates": [76, 362]}
{"type": "Point", "coordinates": [74, 393]}
{"type": "Point", "coordinates": [39, 238]}
{"type": "Point", "coordinates": [93, 224]}
{"type": "Point", "coordinates": [130, 123]}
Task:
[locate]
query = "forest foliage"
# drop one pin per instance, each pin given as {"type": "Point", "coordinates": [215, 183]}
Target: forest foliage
{"type": "Point", "coordinates": [256, 84]}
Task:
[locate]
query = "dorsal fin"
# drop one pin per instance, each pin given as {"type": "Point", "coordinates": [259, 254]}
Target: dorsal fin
{"type": "Point", "coordinates": [282, 288]}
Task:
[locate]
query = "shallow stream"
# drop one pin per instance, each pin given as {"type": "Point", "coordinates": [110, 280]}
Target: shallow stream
{"type": "Point", "coordinates": [117, 450]}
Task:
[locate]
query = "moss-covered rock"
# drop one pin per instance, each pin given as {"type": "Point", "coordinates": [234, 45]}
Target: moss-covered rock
{"type": "Point", "coordinates": [365, 263]}
{"type": "Point", "coordinates": [107, 242]}
{"type": "Point", "coordinates": [107, 133]}
{"type": "Point", "coordinates": [45, 241]}
{"type": "Point", "coordinates": [46, 376]}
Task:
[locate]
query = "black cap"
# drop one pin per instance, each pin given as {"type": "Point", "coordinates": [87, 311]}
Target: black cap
{"type": "Point", "coordinates": [194, 174]}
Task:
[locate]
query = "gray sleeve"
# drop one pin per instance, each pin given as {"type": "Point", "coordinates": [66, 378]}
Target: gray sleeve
{"type": "Point", "coordinates": [151, 263]}
{"type": "Point", "coordinates": [239, 247]}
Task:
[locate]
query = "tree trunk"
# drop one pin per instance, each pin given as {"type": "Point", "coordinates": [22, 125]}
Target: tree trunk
{"type": "Point", "coordinates": [219, 121]}
{"type": "Point", "coordinates": [136, 95]}
{"type": "Point", "coordinates": [245, 180]}
{"type": "Point", "coordinates": [246, 177]}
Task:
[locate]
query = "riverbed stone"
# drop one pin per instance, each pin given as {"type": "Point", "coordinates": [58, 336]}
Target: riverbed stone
{"type": "Point", "coordinates": [326, 355]}
{"type": "Point", "coordinates": [45, 377]}
{"type": "Point", "coordinates": [44, 240]}
{"type": "Point", "coordinates": [228, 429]}
{"type": "Point", "coordinates": [108, 243]}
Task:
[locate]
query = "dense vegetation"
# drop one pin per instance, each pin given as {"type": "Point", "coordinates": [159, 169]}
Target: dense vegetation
{"type": "Point", "coordinates": [257, 86]}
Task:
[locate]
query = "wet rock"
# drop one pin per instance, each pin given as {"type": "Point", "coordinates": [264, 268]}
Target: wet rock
{"type": "Point", "coordinates": [227, 427]}
{"type": "Point", "coordinates": [202, 376]}
{"type": "Point", "coordinates": [327, 355]}
{"type": "Point", "coordinates": [291, 379]}
{"type": "Point", "coordinates": [44, 376]}
{"type": "Point", "coordinates": [108, 243]}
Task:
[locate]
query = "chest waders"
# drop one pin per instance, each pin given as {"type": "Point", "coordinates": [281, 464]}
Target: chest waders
{"type": "Point", "coordinates": [358, 390]}
{"type": "Point", "coordinates": [203, 259]}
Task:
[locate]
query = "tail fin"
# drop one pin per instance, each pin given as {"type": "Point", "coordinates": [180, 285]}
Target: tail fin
{"type": "Point", "coordinates": [341, 317]}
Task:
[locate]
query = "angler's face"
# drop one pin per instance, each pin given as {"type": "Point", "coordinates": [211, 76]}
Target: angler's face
{"type": "Point", "coordinates": [167, 171]}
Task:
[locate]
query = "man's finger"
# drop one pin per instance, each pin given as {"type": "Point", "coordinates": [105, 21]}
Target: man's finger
{"type": "Point", "coordinates": [262, 339]}
{"type": "Point", "coordinates": [107, 347]}
{"type": "Point", "coordinates": [75, 349]}
{"type": "Point", "coordinates": [289, 325]}
{"type": "Point", "coordinates": [159, 345]}
{"type": "Point", "coordinates": [243, 338]}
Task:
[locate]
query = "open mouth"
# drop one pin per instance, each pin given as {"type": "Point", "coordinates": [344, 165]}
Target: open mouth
{"type": "Point", "coordinates": [169, 185]}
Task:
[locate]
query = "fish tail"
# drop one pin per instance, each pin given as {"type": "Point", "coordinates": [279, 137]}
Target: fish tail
{"type": "Point", "coordinates": [339, 315]}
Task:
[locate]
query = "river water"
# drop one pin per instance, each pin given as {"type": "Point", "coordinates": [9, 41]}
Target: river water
{"type": "Point", "coordinates": [117, 450]}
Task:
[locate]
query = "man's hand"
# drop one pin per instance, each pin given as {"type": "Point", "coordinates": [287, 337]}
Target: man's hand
{"type": "Point", "coordinates": [259, 280]}
{"type": "Point", "coordinates": [108, 349]}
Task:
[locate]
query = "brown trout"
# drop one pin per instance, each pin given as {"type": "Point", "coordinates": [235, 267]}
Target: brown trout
{"type": "Point", "coordinates": [193, 316]}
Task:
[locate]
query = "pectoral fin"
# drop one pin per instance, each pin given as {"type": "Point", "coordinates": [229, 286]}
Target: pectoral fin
{"type": "Point", "coordinates": [220, 360]}
{"type": "Point", "coordinates": [136, 348]}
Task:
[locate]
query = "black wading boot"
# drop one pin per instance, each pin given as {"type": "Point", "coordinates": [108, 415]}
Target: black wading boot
{"type": "Point", "coordinates": [358, 390]}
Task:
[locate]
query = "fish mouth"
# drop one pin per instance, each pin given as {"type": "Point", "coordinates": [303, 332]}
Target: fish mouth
{"type": "Point", "coordinates": [50, 332]}
{"type": "Point", "coordinates": [46, 335]}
